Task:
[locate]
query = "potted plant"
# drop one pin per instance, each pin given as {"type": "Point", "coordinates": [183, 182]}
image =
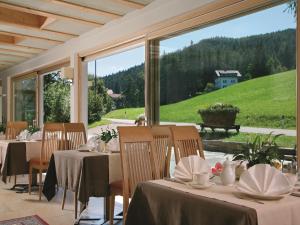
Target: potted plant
{"type": "Point", "coordinates": [33, 129]}
{"type": "Point", "coordinates": [219, 114]}
{"type": "Point", "coordinates": [106, 136]}
{"type": "Point", "coordinates": [261, 150]}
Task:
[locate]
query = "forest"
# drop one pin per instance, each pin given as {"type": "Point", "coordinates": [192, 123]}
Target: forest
{"type": "Point", "coordinates": [191, 70]}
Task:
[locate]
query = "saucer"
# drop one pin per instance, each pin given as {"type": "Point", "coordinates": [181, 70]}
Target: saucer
{"type": "Point", "coordinates": [200, 186]}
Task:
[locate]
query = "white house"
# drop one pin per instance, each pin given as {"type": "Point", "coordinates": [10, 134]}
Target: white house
{"type": "Point", "coordinates": [226, 78]}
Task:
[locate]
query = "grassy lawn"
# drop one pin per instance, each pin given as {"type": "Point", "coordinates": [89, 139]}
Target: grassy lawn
{"type": "Point", "coordinates": [284, 141]}
{"type": "Point", "coordinates": [262, 102]}
{"type": "Point", "coordinates": [99, 123]}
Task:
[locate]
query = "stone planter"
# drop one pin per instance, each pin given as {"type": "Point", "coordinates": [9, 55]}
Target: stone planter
{"type": "Point", "coordinates": [219, 119]}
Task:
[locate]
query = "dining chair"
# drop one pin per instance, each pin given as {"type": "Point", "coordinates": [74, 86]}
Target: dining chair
{"type": "Point", "coordinates": [13, 129]}
{"type": "Point", "coordinates": [75, 135]}
{"type": "Point", "coordinates": [163, 143]}
{"type": "Point", "coordinates": [53, 136]}
{"type": "Point", "coordinates": [138, 159]}
{"type": "Point", "coordinates": [186, 141]}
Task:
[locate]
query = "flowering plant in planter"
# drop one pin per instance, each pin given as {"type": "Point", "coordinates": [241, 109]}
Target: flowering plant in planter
{"type": "Point", "coordinates": [262, 150]}
{"type": "Point", "coordinates": [107, 135]}
{"type": "Point", "coordinates": [219, 114]}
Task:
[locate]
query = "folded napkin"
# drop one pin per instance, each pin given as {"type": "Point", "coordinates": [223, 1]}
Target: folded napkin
{"type": "Point", "coordinates": [24, 135]}
{"type": "Point", "coordinates": [37, 136]}
{"type": "Point", "coordinates": [262, 179]}
{"type": "Point", "coordinates": [93, 142]}
{"type": "Point", "coordinates": [188, 166]}
{"type": "Point", "coordinates": [113, 145]}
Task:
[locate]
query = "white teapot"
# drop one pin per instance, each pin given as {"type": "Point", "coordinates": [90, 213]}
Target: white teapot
{"type": "Point", "coordinates": [228, 173]}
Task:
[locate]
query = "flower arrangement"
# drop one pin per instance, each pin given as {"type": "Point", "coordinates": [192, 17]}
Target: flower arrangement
{"type": "Point", "coordinates": [217, 170]}
{"type": "Point", "coordinates": [32, 129]}
{"type": "Point", "coordinates": [107, 135]}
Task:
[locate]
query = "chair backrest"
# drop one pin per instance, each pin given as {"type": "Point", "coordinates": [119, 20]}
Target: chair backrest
{"type": "Point", "coordinates": [163, 143]}
{"type": "Point", "coordinates": [75, 135]}
{"type": "Point", "coordinates": [138, 156]}
{"type": "Point", "coordinates": [186, 142]}
{"type": "Point", "coordinates": [14, 128]}
{"type": "Point", "coordinates": [53, 139]}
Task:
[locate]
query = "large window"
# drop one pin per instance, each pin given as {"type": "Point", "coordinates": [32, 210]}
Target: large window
{"type": "Point", "coordinates": [116, 88]}
{"type": "Point", "coordinates": [24, 101]}
{"type": "Point", "coordinates": [56, 98]}
{"type": "Point", "coordinates": [248, 62]}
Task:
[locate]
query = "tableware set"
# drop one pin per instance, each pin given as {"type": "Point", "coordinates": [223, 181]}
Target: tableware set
{"type": "Point", "coordinates": [258, 182]}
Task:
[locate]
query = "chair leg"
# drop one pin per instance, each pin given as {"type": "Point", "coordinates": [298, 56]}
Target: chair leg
{"type": "Point", "coordinates": [29, 179]}
{"type": "Point", "coordinates": [15, 179]}
{"type": "Point", "coordinates": [125, 207]}
{"type": "Point", "coordinates": [64, 198]}
{"type": "Point", "coordinates": [76, 203]}
{"type": "Point", "coordinates": [40, 184]}
{"type": "Point", "coordinates": [111, 209]}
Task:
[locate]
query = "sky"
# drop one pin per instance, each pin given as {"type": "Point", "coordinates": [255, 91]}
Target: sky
{"type": "Point", "coordinates": [266, 21]}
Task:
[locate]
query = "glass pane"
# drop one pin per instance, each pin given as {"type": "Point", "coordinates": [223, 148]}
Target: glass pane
{"type": "Point", "coordinates": [248, 62]}
{"type": "Point", "coordinates": [25, 100]}
{"type": "Point", "coordinates": [116, 88]}
{"type": "Point", "coordinates": [56, 98]}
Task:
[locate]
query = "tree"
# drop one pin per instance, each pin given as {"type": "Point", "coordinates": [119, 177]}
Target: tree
{"type": "Point", "coordinates": [56, 99]}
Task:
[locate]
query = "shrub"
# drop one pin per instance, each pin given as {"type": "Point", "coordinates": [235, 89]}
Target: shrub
{"type": "Point", "coordinates": [219, 107]}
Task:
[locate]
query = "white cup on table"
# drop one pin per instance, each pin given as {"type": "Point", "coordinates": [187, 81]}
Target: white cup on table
{"type": "Point", "coordinates": [201, 178]}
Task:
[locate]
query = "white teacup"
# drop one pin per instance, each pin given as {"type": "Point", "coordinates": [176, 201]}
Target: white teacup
{"type": "Point", "coordinates": [201, 178]}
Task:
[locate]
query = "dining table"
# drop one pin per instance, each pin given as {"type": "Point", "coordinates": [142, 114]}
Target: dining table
{"type": "Point", "coordinates": [161, 202]}
{"type": "Point", "coordinates": [15, 156]}
{"type": "Point", "coordinates": [87, 173]}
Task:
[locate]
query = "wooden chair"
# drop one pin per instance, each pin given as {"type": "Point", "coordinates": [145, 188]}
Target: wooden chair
{"type": "Point", "coordinates": [75, 136]}
{"type": "Point", "coordinates": [186, 142]}
{"type": "Point", "coordinates": [14, 128]}
{"type": "Point", "coordinates": [139, 160]}
{"type": "Point", "coordinates": [53, 136]}
{"type": "Point", "coordinates": [163, 143]}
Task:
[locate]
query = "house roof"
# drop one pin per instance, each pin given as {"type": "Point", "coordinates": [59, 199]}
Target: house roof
{"type": "Point", "coordinates": [28, 28]}
{"type": "Point", "coordinates": [228, 73]}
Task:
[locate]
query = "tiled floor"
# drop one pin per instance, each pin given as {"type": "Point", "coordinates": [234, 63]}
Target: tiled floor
{"type": "Point", "coordinates": [14, 205]}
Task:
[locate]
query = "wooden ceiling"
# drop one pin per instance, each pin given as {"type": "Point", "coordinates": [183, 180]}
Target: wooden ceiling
{"type": "Point", "coordinates": [29, 27]}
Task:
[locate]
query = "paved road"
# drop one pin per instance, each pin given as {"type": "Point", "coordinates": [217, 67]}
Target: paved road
{"type": "Point", "coordinates": [257, 130]}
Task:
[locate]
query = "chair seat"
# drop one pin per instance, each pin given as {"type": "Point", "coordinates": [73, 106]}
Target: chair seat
{"type": "Point", "coordinates": [35, 161]}
{"type": "Point", "coordinates": [116, 187]}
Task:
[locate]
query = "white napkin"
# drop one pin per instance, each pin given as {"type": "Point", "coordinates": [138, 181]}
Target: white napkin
{"type": "Point", "coordinates": [262, 179]}
{"type": "Point", "coordinates": [37, 136]}
{"type": "Point", "coordinates": [24, 135]}
{"type": "Point", "coordinates": [93, 142]}
{"type": "Point", "coordinates": [113, 145]}
{"type": "Point", "coordinates": [188, 166]}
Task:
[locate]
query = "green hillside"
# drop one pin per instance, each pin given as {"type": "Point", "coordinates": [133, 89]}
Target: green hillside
{"type": "Point", "coordinates": [262, 102]}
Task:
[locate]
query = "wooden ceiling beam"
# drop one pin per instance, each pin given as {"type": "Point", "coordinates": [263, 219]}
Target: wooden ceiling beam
{"type": "Point", "coordinates": [10, 55]}
{"type": "Point", "coordinates": [129, 4]}
{"type": "Point", "coordinates": [16, 53]}
{"type": "Point", "coordinates": [86, 9]}
{"type": "Point", "coordinates": [46, 14]}
{"type": "Point", "coordinates": [47, 22]}
{"type": "Point", "coordinates": [30, 37]}
{"type": "Point", "coordinates": [19, 48]}
{"type": "Point", "coordinates": [7, 39]}
{"type": "Point", "coordinates": [28, 48]}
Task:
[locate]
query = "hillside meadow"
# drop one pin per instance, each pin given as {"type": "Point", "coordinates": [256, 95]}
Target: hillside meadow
{"type": "Point", "coordinates": [268, 101]}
